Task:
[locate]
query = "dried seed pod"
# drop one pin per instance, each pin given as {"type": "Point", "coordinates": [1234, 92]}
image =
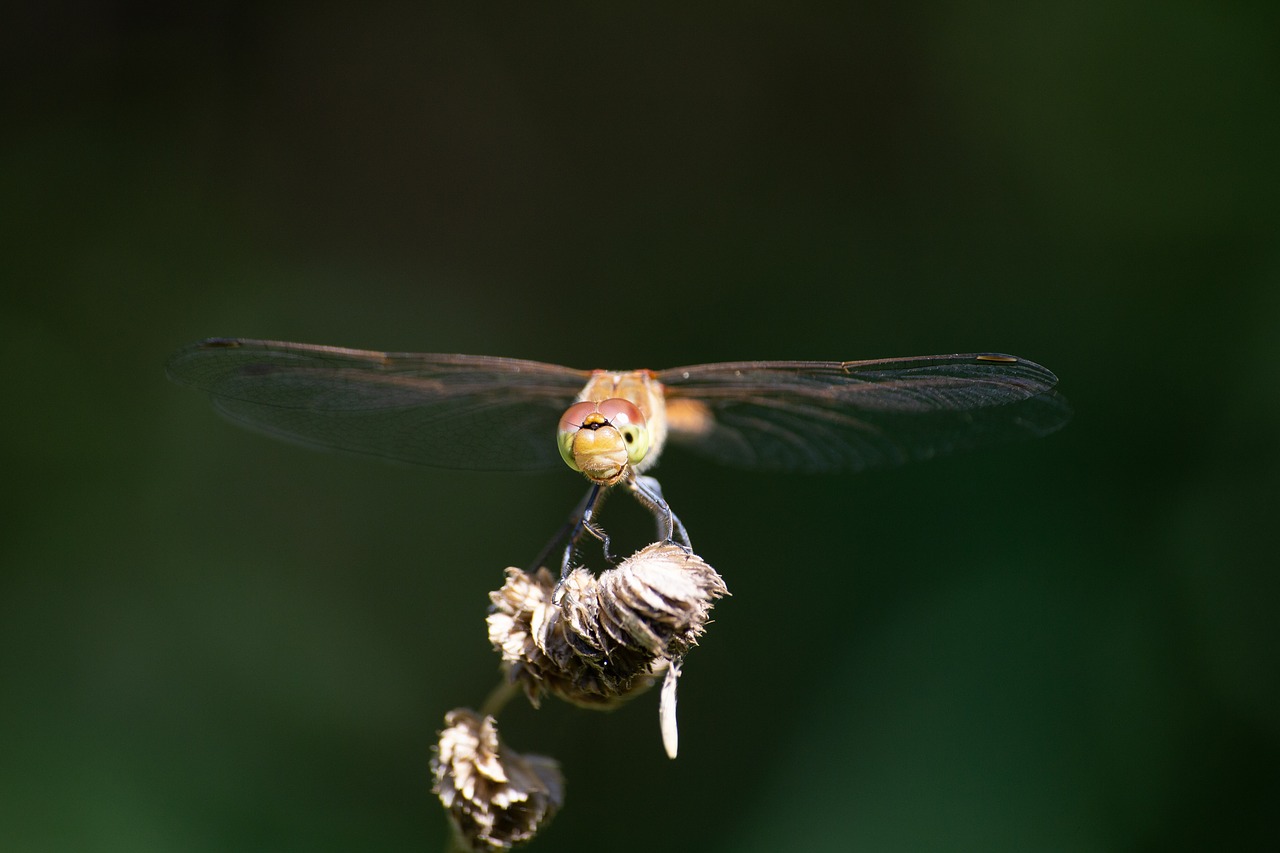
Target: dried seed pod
{"type": "Point", "coordinates": [659, 600]}
{"type": "Point", "coordinates": [609, 637]}
{"type": "Point", "coordinates": [550, 649]}
{"type": "Point", "coordinates": [496, 797]}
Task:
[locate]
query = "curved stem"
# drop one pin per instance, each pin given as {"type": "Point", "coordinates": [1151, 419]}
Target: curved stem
{"type": "Point", "coordinates": [499, 697]}
{"type": "Point", "coordinates": [455, 844]}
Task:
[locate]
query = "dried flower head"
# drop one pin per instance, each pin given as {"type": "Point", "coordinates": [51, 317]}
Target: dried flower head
{"type": "Point", "coordinates": [496, 797]}
{"type": "Point", "coordinates": [607, 638]}
{"type": "Point", "coordinates": [658, 601]}
{"type": "Point", "coordinates": [537, 644]}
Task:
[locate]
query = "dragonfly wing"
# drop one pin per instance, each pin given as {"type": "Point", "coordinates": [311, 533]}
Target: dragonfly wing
{"type": "Point", "coordinates": [448, 411]}
{"type": "Point", "coordinates": [850, 416]}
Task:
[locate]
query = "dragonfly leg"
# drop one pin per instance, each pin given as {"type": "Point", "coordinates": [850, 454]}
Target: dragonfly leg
{"type": "Point", "coordinates": [648, 492]}
{"type": "Point", "coordinates": [571, 530]}
{"type": "Point", "coordinates": [603, 538]}
{"type": "Point", "coordinates": [580, 523]}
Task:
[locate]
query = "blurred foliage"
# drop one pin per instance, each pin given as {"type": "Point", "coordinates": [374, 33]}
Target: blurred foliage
{"type": "Point", "coordinates": [213, 641]}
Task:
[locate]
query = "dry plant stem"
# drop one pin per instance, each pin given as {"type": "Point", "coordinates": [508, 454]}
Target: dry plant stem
{"type": "Point", "coordinates": [499, 697]}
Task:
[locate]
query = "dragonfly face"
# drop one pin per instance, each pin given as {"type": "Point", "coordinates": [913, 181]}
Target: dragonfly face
{"type": "Point", "coordinates": [619, 422]}
{"type": "Point", "coordinates": [602, 439]}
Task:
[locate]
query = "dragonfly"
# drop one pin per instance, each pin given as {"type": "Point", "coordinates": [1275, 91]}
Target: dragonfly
{"type": "Point", "coordinates": [492, 413]}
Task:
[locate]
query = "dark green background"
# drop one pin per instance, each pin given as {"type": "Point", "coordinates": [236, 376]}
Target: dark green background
{"type": "Point", "coordinates": [211, 641]}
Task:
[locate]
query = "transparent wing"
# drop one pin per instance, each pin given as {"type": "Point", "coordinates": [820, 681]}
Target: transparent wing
{"type": "Point", "coordinates": [849, 416]}
{"type": "Point", "coordinates": [449, 411]}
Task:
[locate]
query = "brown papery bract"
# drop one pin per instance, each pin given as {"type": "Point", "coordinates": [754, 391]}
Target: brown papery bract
{"type": "Point", "coordinates": [496, 797]}
{"type": "Point", "coordinates": [609, 638]}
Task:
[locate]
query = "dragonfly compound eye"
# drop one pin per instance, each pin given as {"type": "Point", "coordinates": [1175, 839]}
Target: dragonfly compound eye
{"type": "Point", "coordinates": [570, 422]}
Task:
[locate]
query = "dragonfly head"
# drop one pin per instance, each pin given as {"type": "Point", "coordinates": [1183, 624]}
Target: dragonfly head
{"type": "Point", "coordinates": [600, 439]}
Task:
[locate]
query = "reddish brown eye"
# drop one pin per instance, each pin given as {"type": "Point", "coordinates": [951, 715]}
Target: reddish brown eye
{"type": "Point", "coordinates": [619, 412]}
{"type": "Point", "coordinates": [574, 415]}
